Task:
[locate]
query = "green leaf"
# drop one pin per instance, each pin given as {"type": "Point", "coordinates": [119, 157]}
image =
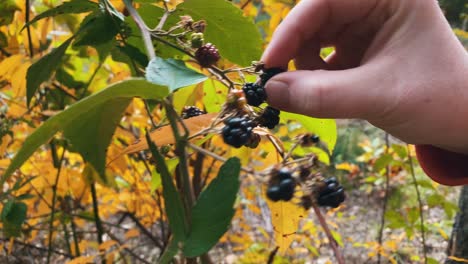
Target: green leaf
{"type": "Point", "coordinates": [13, 217]}
{"type": "Point", "coordinates": [169, 252]}
{"type": "Point", "coordinates": [236, 36]}
{"type": "Point", "coordinates": [96, 29]}
{"type": "Point", "coordinates": [91, 134]}
{"type": "Point", "coordinates": [172, 202]}
{"type": "Point", "coordinates": [324, 128]}
{"type": "Point", "coordinates": [64, 121]}
{"type": "Point", "coordinates": [156, 176]}
{"type": "Point", "coordinates": [400, 150]}
{"type": "Point", "coordinates": [172, 73]}
{"type": "Point", "coordinates": [215, 96]}
{"type": "Point", "coordinates": [72, 7]}
{"type": "Point", "coordinates": [214, 210]}
{"type": "Point", "coordinates": [382, 162]}
{"type": "Point", "coordinates": [42, 70]}
{"type": "Point", "coordinates": [7, 11]}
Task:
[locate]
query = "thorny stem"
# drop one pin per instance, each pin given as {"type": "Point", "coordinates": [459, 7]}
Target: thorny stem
{"type": "Point", "coordinates": [333, 243]}
{"type": "Point", "coordinates": [54, 198]}
{"type": "Point", "coordinates": [418, 195]}
{"type": "Point", "coordinates": [385, 201]}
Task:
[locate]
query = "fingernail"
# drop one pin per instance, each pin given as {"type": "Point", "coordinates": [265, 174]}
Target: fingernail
{"type": "Point", "coordinates": [277, 93]}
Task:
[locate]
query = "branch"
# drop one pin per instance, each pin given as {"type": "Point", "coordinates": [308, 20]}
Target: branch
{"type": "Point", "coordinates": [385, 201]}
{"type": "Point", "coordinates": [333, 243]}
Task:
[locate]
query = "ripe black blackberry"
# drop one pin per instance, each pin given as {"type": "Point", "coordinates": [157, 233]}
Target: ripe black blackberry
{"type": "Point", "coordinates": [282, 186]}
{"type": "Point", "coordinates": [207, 55]}
{"type": "Point", "coordinates": [270, 117]}
{"type": "Point", "coordinates": [191, 111]}
{"type": "Point", "coordinates": [237, 131]}
{"type": "Point", "coordinates": [267, 74]}
{"type": "Point", "coordinates": [254, 93]}
{"type": "Point", "coordinates": [332, 194]}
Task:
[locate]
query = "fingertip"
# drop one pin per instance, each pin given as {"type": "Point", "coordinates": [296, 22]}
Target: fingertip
{"type": "Point", "coordinates": [277, 93]}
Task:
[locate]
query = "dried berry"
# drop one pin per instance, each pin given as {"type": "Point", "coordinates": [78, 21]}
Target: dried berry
{"type": "Point", "coordinates": [270, 117]}
{"type": "Point", "coordinates": [191, 111]}
{"type": "Point", "coordinates": [207, 55]}
{"type": "Point", "coordinates": [254, 93]}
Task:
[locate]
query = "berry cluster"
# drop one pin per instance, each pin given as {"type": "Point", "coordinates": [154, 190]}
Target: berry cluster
{"type": "Point", "coordinates": [191, 111]}
{"type": "Point", "coordinates": [284, 187]}
{"type": "Point", "coordinates": [207, 55]}
{"type": "Point", "coordinates": [267, 74]}
{"type": "Point", "coordinates": [270, 117]}
{"type": "Point", "coordinates": [332, 194]}
{"type": "Point", "coordinates": [237, 132]}
{"type": "Point", "coordinates": [254, 93]}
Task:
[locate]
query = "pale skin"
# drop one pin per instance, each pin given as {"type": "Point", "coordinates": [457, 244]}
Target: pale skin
{"type": "Point", "coordinates": [396, 64]}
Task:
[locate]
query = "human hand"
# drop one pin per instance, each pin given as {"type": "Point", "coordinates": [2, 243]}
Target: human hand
{"type": "Point", "coordinates": [396, 64]}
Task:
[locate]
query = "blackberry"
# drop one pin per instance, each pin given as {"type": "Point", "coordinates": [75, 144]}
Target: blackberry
{"type": "Point", "coordinates": [269, 73]}
{"type": "Point", "coordinates": [207, 55]}
{"type": "Point", "coordinates": [332, 194]}
{"type": "Point", "coordinates": [274, 193]}
{"type": "Point", "coordinates": [238, 131]}
{"type": "Point", "coordinates": [254, 93]}
{"type": "Point", "coordinates": [270, 117]}
{"type": "Point", "coordinates": [191, 111]}
{"type": "Point", "coordinates": [284, 174]}
{"type": "Point", "coordinates": [286, 187]}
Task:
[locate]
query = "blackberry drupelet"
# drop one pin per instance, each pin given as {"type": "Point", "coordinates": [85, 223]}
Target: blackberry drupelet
{"type": "Point", "coordinates": [269, 73]}
{"type": "Point", "coordinates": [237, 131]}
{"type": "Point", "coordinates": [254, 93]}
{"type": "Point", "coordinates": [191, 111]}
{"type": "Point", "coordinates": [270, 117]}
{"type": "Point", "coordinates": [207, 55]}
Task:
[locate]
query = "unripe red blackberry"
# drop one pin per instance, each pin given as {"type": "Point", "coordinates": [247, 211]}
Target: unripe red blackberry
{"type": "Point", "coordinates": [270, 117]}
{"type": "Point", "coordinates": [254, 93]}
{"type": "Point", "coordinates": [237, 131]}
{"type": "Point", "coordinates": [207, 55]}
{"type": "Point", "coordinates": [269, 73]}
{"type": "Point", "coordinates": [191, 111]}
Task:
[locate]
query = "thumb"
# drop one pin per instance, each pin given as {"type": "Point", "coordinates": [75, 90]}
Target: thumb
{"type": "Point", "coordinates": [352, 93]}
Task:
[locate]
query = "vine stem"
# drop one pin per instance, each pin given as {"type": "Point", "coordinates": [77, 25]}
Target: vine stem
{"type": "Point", "coordinates": [418, 195]}
{"type": "Point", "coordinates": [385, 201]}
{"type": "Point", "coordinates": [54, 198]}
{"type": "Point", "coordinates": [143, 28]}
{"type": "Point", "coordinates": [333, 243]}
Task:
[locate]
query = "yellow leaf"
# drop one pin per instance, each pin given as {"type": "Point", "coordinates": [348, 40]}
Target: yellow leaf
{"type": "Point", "coordinates": [107, 244]}
{"type": "Point", "coordinates": [442, 233]}
{"type": "Point", "coordinates": [285, 217]}
{"type": "Point", "coordinates": [82, 260]}
{"type": "Point", "coordinates": [132, 233]}
{"type": "Point", "coordinates": [458, 259]}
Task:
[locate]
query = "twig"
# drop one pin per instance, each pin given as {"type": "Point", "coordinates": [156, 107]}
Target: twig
{"type": "Point", "coordinates": [28, 29]}
{"type": "Point", "coordinates": [133, 254]}
{"type": "Point", "coordinates": [385, 201]}
{"type": "Point", "coordinates": [38, 248]}
{"type": "Point", "coordinates": [163, 20]}
{"type": "Point", "coordinates": [97, 219]}
{"type": "Point", "coordinates": [54, 198]}
{"type": "Point", "coordinates": [418, 194]}
{"type": "Point", "coordinates": [144, 230]}
{"type": "Point", "coordinates": [272, 255]}
{"type": "Point", "coordinates": [245, 4]}
{"type": "Point", "coordinates": [333, 243]}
